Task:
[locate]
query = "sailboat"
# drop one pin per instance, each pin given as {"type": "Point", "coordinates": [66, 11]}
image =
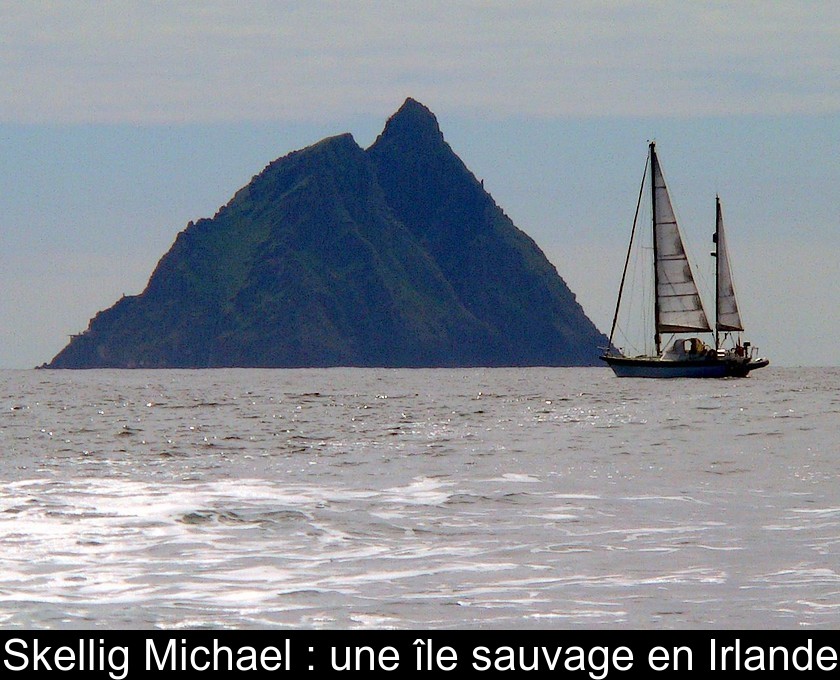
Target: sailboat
{"type": "Point", "coordinates": [678, 307]}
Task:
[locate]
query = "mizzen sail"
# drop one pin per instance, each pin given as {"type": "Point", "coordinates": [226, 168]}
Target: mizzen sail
{"type": "Point", "coordinates": [679, 308]}
{"type": "Point", "coordinates": [728, 317]}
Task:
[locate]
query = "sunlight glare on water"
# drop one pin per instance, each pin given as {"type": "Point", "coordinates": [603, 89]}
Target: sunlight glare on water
{"type": "Point", "coordinates": [350, 498]}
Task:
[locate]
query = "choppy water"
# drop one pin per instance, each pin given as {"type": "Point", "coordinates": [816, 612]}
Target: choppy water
{"type": "Point", "coordinates": [419, 498]}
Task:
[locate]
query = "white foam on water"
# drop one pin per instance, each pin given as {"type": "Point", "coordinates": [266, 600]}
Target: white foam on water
{"type": "Point", "coordinates": [299, 498]}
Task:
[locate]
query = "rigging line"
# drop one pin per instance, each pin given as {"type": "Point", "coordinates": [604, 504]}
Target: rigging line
{"type": "Point", "coordinates": [629, 248]}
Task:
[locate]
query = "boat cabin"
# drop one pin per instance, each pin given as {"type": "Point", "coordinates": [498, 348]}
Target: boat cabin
{"type": "Point", "coordinates": [684, 349]}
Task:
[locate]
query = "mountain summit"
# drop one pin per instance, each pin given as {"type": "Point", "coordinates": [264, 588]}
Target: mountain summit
{"type": "Point", "coordinates": [339, 256]}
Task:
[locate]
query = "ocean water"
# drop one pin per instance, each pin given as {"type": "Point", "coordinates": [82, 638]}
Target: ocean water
{"type": "Point", "coordinates": [482, 498]}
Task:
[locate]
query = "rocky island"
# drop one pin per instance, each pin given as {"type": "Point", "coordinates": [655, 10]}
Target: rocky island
{"type": "Point", "coordinates": [334, 255]}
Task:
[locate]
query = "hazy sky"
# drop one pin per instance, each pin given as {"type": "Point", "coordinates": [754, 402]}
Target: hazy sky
{"type": "Point", "coordinates": [120, 121]}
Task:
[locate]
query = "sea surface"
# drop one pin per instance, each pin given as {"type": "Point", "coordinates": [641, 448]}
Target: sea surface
{"type": "Point", "coordinates": [438, 499]}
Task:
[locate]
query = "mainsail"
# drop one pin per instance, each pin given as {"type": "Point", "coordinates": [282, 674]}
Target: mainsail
{"type": "Point", "coordinates": [679, 308]}
{"type": "Point", "coordinates": [728, 318]}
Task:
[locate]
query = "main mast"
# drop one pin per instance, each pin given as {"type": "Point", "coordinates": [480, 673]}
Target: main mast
{"type": "Point", "coordinates": [677, 306]}
{"type": "Point", "coordinates": [716, 238]}
{"type": "Point", "coordinates": [653, 165]}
